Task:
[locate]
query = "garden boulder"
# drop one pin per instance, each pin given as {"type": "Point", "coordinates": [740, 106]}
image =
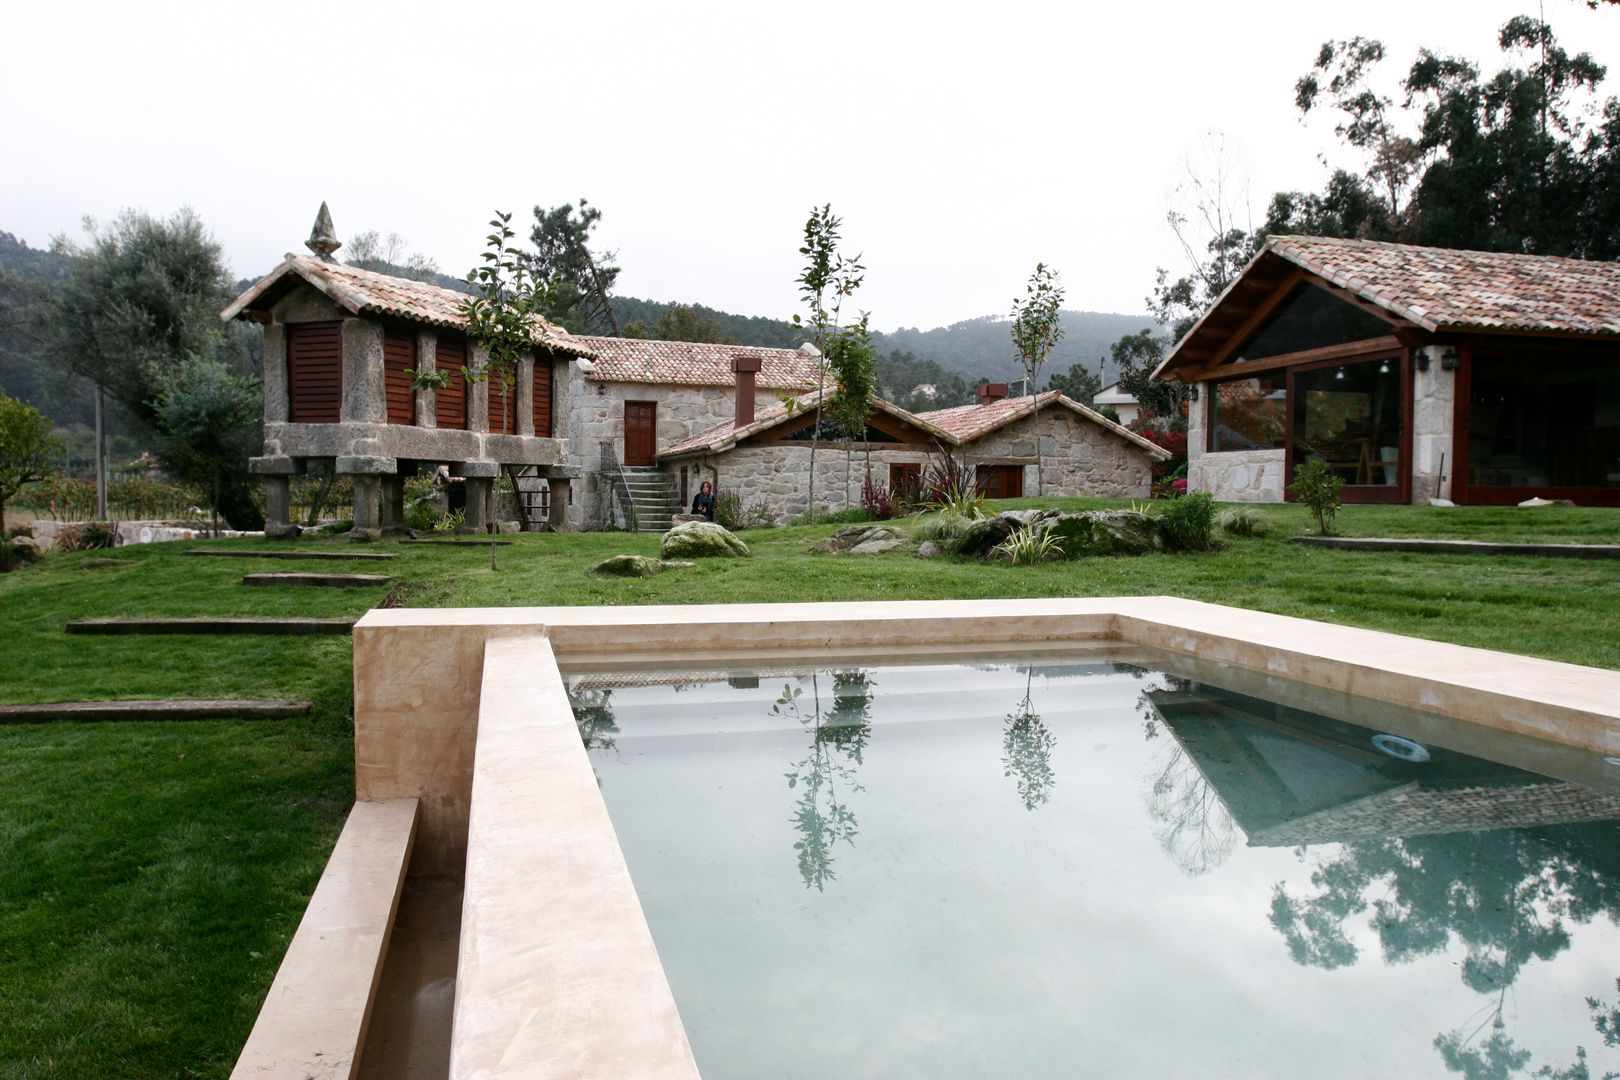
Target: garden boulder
{"type": "Point", "coordinates": [984, 535]}
{"type": "Point", "coordinates": [636, 566]}
{"type": "Point", "coordinates": [701, 540]}
{"type": "Point", "coordinates": [1104, 532]}
{"type": "Point", "coordinates": [861, 540]}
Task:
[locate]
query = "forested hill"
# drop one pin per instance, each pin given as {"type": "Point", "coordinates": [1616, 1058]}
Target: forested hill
{"type": "Point", "coordinates": [970, 348]}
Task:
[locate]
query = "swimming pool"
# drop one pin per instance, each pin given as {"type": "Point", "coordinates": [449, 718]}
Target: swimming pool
{"type": "Point", "coordinates": [1106, 861]}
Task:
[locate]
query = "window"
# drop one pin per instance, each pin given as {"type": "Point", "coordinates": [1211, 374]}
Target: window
{"type": "Point", "coordinates": [999, 481]}
{"type": "Point", "coordinates": [905, 481]}
{"type": "Point", "coordinates": [399, 356]}
{"type": "Point", "coordinates": [1544, 421]}
{"type": "Point", "coordinates": [1349, 415]}
{"type": "Point", "coordinates": [1310, 318]}
{"type": "Point", "coordinates": [315, 372]}
{"type": "Point", "coordinates": [450, 403]}
{"type": "Point", "coordinates": [1249, 414]}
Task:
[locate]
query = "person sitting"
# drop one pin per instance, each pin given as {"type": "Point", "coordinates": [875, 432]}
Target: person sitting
{"type": "Point", "coordinates": [703, 501]}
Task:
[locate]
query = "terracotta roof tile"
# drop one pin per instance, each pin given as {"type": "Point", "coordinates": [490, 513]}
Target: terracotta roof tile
{"type": "Point", "coordinates": [727, 435]}
{"type": "Point", "coordinates": [969, 423]}
{"type": "Point", "coordinates": [1445, 289]}
{"type": "Point", "coordinates": [687, 363]}
{"type": "Point", "coordinates": [367, 292]}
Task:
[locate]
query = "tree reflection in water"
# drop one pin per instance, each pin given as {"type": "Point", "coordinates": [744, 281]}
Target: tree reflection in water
{"type": "Point", "coordinates": [826, 776]}
{"type": "Point", "coordinates": [1506, 896]}
{"type": "Point", "coordinates": [1026, 750]}
{"type": "Point", "coordinates": [593, 715]}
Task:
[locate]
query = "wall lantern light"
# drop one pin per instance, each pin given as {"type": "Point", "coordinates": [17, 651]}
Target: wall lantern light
{"type": "Point", "coordinates": [1448, 359]}
{"type": "Point", "coordinates": [1383, 369]}
{"type": "Point", "coordinates": [1192, 391]}
{"type": "Point", "coordinates": [1339, 373]}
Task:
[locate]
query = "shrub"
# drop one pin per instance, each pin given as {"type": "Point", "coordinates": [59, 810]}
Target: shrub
{"type": "Point", "coordinates": [338, 528]}
{"type": "Point", "coordinates": [1189, 522]}
{"type": "Point", "coordinates": [421, 515]}
{"type": "Point", "coordinates": [447, 522]}
{"type": "Point", "coordinates": [1242, 521]}
{"type": "Point", "coordinates": [877, 500]}
{"type": "Point", "coordinates": [1316, 486]}
{"type": "Point", "coordinates": [728, 510]}
{"type": "Point", "coordinates": [948, 481]}
{"type": "Point", "coordinates": [855, 515]}
{"type": "Point", "coordinates": [90, 536]}
{"type": "Point", "coordinates": [942, 526]}
{"type": "Point", "coordinates": [1026, 547]}
{"type": "Point", "coordinates": [14, 554]}
{"type": "Point", "coordinates": [758, 515]}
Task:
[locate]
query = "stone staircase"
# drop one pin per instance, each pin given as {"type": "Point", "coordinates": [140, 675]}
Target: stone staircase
{"type": "Point", "coordinates": [653, 494]}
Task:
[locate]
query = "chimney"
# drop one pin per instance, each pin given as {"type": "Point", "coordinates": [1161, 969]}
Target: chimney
{"type": "Point", "coordinates": [990, 391]}
{"type": "Point", "coordinates": [745, 367]}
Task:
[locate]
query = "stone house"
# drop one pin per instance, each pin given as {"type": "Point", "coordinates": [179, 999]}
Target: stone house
{"type": "Point", "coordinates": [1413, 372]}
{"type": "Point", "coordinates": [764, 458]}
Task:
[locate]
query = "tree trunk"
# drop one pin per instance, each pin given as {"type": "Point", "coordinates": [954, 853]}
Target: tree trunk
{"type": "Point", "coordinates": [320, 498]}
{"type": "Point", "coordinates": [5, 541]}
{"type": "Point", "coordinates": [101, 458]}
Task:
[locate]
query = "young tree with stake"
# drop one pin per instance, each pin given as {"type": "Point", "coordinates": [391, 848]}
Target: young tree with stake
{"type": "Point", "coordinates": [828, 278]}
{"type": "Point", "coordinates": [1037, 327]}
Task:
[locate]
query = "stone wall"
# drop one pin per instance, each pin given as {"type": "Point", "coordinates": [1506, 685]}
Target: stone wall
{"type": "Point", "coordinates": [591, 413]}
{"type": "Point", "coordinates": [1080, 456]}
{"type": "Point", "coordinates": [1081, 459]}
{"type": "Point", "coordinates": [1251, 476]}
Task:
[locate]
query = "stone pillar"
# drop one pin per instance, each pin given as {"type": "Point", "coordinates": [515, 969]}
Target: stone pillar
{"type": "Point", "coordinates": [523, 397]}
{"type": "Point", "coordinates": [478, 492]}
{"type": "Point", "coordinates": [393, 504]}
{"type": "Point", "coordinates": [1433, 423]}
{"type": "Point", "coordinates": [363, 388]}
{"type": "Point", "coordinates": [278, 509]}
{"type": "Point", "coordinates": [477, 392]}
{"type": "Point", "coordinates": [427, 359]}
{"type": "Point", "coordinates": [557, 512]}
{"type": "Point", "coordinates": [275, 374]}
{"type": "Point", "coordinates": [367, 507]}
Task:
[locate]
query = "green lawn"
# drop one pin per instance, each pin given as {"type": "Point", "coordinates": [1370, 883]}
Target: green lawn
{"type": "Point", "coordinates": [151, 874]}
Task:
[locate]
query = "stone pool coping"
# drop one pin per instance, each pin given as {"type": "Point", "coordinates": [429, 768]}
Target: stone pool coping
{"type": "Point", "coordinates": [464, 711]}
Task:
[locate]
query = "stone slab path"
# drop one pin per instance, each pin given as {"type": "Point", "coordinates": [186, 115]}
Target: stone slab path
{"type": "Point", "coordinates": [1463, 547]}
{"type": "Point", "coordinates": [458, 543]}
{"type": "Point", "coordinates": [331, 581]}
{"type": "Point", "coordinates": [205, 709]}
{"type": "Point", "coordinates": [234, 554]}
{"type": "Point", "coordinates": [210, 625]}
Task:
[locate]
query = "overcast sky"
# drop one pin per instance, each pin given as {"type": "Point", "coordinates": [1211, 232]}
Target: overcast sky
{"type": "Point", "coordinates": [960, 142]}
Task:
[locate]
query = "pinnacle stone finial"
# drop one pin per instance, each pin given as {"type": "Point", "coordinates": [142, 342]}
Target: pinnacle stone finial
{"type": "Point", "coordinates": [323, 239]}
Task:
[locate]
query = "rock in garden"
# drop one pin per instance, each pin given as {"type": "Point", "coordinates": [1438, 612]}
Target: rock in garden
{"type": "Point", "coordinates": [701, 540]}
{"type": "Point", "coordinates": [984, 535]}
{"type": "Point", "coordinates": [929, 549]}
{"type": "Point", "coordinates": [852, 537]}
{"type": "Point", "coordinates": [636, 566]}
{"type": "Point", "coordinates": [877, 546]}
{"type": "Point", "coordinates": [1104, 532]}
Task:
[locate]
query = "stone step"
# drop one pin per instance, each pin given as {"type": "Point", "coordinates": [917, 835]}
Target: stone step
{"type": "Point", "coordinates": [330, 581]}
{"type": "Point", "coordinates": [211, 625]}
{"type": "Point", "coordinates": [152, 710]}
{"type": "Point", "coordinates": [238, 553]}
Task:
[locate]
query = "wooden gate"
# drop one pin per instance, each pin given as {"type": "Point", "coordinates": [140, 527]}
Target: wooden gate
{"type": "Point", "coordinates": [640, 425]}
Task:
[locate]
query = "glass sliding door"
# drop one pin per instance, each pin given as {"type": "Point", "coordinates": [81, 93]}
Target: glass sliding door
{"type": "Point", "coordinates": [1352, 415]}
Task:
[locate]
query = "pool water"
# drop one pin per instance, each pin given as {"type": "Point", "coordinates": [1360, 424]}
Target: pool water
{"type": "Point", "coordinates": [1104, 864]}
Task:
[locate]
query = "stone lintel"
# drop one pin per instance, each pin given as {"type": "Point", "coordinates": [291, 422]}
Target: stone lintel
{"type": "Point", "coordinates": [476, 470]}
{"type": "Point", "coordinates": [272, 466]}
{"type": "Point", "coordinates": [367, 466]}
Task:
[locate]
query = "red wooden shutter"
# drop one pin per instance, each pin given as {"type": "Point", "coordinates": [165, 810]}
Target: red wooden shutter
{"type": "Point", "coordinates": [450, 404]}
{"type": "Point", "coordinates": [315, 372]}
{"type": "Point", "coordinates": [498, 394]}
{"type": "Point", "coordinates": [399, 353]}
{"type": "Point", "coordinates": [542, 395]}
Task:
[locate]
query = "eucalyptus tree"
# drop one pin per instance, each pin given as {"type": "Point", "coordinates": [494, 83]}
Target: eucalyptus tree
{"type": "Point", "coordinates": [1037, 327]}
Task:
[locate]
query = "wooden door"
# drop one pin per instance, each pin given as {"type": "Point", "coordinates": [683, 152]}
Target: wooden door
{"type": "Point", "coordinates": [640, 425]}
{"type": "Point", "coordinates": [399, 357]}
{"type": "Point", "coordinates": [1000, 481]}
{"type": "Point", "coordinates": [315, 372]}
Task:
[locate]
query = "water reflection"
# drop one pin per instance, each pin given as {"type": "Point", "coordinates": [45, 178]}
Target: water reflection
{"type": "Point", "coordinates": [825, 777]}
{"type": "Point", "coordinates": [593, 715]}
{"type": "Point", "coordinates": [1026, 750]}
{"type": "Point", "coordinates": [1422, 855]}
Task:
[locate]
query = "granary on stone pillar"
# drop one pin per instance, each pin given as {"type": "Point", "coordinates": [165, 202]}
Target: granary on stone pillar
{"type": "Point", "coordinates": [345, 353]}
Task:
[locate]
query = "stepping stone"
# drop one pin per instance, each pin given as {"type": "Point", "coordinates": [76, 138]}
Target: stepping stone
{"type": "Point", "coordinates": [1463, 547]}
{"type": "Point", "coordinates": [458, 543]}
{"type": "Point", "coordinates": [152, 710]}
{"type": "Point", "coordinates": [210, 625]}
{"type": "Point", "coordinates": [238, 554]}
{"type": "Point", "coordinates": [333, 581]}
